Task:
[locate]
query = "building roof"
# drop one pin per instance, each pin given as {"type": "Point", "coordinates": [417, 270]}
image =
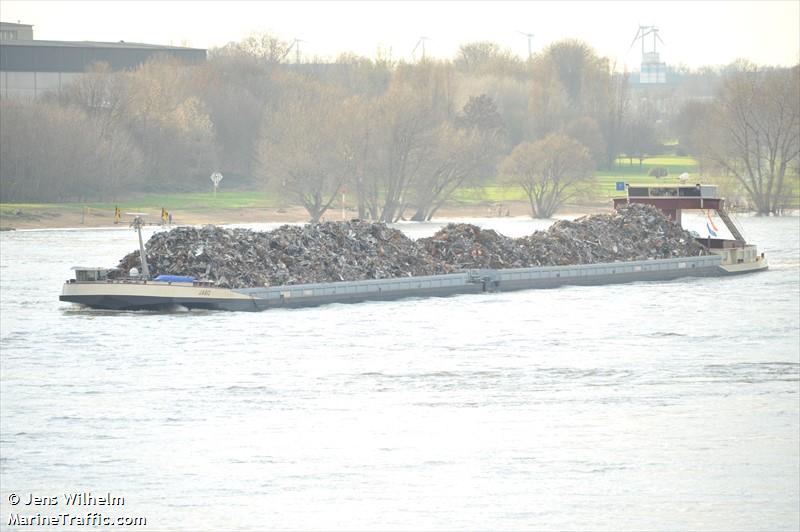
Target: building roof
{"type": "Point", "coordinates": [16, 24]}
{"type": "Point", "coordinates": [77, 56]}
{"type": "Point", "coordinates": [95, 44]}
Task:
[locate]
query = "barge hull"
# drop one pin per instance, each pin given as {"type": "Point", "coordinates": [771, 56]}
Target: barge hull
{"type": "Point", "coordinates": [153, 295]}
{"type": "Point", "coordinates": [158, 303]}
{"type": "Point", "coordinates": [115, 295]}
{"type": "Point", "coordinates": [604, 273]}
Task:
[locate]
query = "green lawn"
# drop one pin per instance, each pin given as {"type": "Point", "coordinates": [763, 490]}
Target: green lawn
{"type": "Point", "coordinates": [11, 208]}
{"type": "Point", "coordinates": [152, 203]}
{"type": "Point", "coordinates": [606, 180]}
{"type": "Point", "coordinates": [192, 201]}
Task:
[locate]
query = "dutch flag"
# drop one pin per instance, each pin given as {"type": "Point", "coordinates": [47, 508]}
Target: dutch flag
{"type": "Point", "coordinates": [712, 229]}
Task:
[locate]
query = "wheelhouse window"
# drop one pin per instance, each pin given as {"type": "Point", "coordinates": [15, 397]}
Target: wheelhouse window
{"type": "Point", "coordinates": [91, 275]}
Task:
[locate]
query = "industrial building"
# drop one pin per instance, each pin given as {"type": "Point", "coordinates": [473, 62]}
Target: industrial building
{"type": "Point", "coordinates": [12, 32]}
{"type": "Point", "coordinates": [29, 68]}
{"type": "Point", "coordinates": [653, 70]}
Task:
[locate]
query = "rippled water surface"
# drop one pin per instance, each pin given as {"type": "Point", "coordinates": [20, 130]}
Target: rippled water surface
{"type": "Point", "coordinates": [642, 406]}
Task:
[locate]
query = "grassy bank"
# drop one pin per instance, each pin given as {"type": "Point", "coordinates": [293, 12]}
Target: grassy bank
{"type": "Point", "coordinates": [257, 206]}
{"type": "Point", "coordinates": [151, 204]}
{"type": "Point", "coordinates": [186, 208]}
{"type": "Point", "coordinates": [605, 180]}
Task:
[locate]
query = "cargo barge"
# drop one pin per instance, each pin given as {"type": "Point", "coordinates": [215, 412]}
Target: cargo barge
{"type": "Point", "coordinates": [94, 288]}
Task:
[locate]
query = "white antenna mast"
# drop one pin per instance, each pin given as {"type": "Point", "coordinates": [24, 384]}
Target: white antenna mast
{"type": "Point", "coordinates": [137, 224]}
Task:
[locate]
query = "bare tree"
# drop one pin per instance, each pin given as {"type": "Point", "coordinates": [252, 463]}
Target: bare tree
{"type": "Point", "coordinates": [105, 98]}
{"type": "Point", "coordinates": [572, 82]}
{"type": "Point", "coordinates": [688, 120]}
{"type": "Point", "coordinates": [171, 124]}
{"type": "Point", "coordinates": [753, 132]}
{"type": "Point", "coordinates": [52, 152]}
{"type": "Point", "coordinates": [586, 131]}
{"type": "Point", "coordinates": [465, 152]}
{"type": "Point", "coordinates": [237, 115]}
{"type": "Point", "coordinates": [487, 58]}
{"type": "Point", "coordinates": [461, 156]}
{"type": "Point", "coordinates": [356, 75]}
{"type": "Point", "coordinates": [583, 74]}
{"type": "Point", "coordinates": [404, 126]}
{"type": "Point", "coordinates": [551, 171]}
{"type": "Point", "coordinates": [640, 140]}
{"type": "Point", "coordinates": [613, 118]}
{"type": "Point", "coordinates": [549, 99]}
{"type": "Point", "coordinates": [511, 96]}
{"type": "Point", "coordinates": [262, 47]}
{"type": "Point", "coordinates": [480, 112]}
{"type": "Point", "coordinates": [302, 154]}
{"type": "Point", "coordinates": [102, 93]}
{"type": "Point", "coordinates": [355, 134]}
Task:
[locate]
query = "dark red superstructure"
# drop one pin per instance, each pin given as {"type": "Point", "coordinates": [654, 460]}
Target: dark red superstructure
{"type": "Point", "coordinates": [673, 199]}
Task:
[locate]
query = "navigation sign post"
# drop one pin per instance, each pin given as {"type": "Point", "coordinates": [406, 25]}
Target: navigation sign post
{"type": "Point", "coordinates": [216, 177]}
{"type": "Point", "coordinates": [620, 186]}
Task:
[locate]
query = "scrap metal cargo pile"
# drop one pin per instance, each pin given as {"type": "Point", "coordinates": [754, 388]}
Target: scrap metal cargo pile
{"type": "Point", "coordinates": [357, 250]}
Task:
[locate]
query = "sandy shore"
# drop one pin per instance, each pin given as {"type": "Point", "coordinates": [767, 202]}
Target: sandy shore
{"type": "Point", "coordinates": [54, 218]}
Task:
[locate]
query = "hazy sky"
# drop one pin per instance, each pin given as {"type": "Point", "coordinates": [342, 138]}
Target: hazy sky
{"type": "Point", "coordinates": [694, 33]}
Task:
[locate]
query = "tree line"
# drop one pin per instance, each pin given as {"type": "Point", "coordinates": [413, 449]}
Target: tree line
{"type": "Point", "coordinates": [399, 137]}
{"type": "Point", "coordinates": [750, 133]}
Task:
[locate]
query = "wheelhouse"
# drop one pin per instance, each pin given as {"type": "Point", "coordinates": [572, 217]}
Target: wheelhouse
{"type": "Point", "coordinates": [90, 275]}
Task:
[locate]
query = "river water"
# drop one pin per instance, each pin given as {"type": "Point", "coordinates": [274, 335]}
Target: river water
{"type": "Point", "coordinates": [629, 407]}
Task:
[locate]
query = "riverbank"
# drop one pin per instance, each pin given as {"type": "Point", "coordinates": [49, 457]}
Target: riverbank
{"type": "Point", "coordinates": [56, 217]}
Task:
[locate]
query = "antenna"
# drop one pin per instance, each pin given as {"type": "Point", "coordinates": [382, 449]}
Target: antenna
{"type": "Point", "coordinates": [422, 42]}
{"type": "Point", "coordinates": [529, 36]}
{"type": "Point", "coordinates": [137, 224]}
